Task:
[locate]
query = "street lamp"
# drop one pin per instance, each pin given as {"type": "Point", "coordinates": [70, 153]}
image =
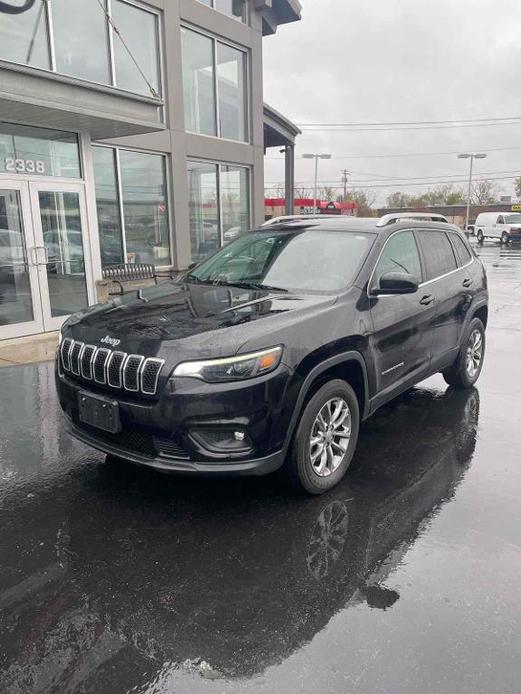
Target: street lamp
{"type": "Point", "coordinates": [316, 157]}
{"type": "Point", "coordinates": [471, 156]}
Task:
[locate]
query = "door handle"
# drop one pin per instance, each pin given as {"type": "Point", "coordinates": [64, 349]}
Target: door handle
{"type": "Point", "coordinates": [427, 299]}
{"type": "Point", "coordinates": [467, 282]}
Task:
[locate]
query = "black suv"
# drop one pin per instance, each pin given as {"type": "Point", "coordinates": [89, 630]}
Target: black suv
{"type": "Point", "coordinates": [269, 353]}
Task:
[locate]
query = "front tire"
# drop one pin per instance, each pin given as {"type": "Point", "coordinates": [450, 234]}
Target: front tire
{"type": "Point", "coordinates": [325, 440]}
{"type": "Point", "coordinates": [480, 236]}
{"type": "Point", "coordinates": [466, 369]}
{"type": "Point", "coordinates": [505, 238]}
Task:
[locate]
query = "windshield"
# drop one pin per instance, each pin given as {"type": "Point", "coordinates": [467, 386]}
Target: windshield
{"type": "Point", "coordinates": [513, 219]}
{"type": "Point", "coordinates": [308, 260]}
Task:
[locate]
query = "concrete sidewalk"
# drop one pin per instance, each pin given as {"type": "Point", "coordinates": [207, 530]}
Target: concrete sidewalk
{"type": "Point", "coordinates": [28, 350]}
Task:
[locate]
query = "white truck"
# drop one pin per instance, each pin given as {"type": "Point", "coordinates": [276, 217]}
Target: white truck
{"type": "Point", "coordinates": [505, 226]}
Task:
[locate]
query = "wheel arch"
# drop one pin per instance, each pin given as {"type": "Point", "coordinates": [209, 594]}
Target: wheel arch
{"type": "Point", "coordinates": [348, 366]}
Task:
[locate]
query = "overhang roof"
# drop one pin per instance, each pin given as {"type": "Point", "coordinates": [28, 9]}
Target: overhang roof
{"type": "Point", "coordinates": [275, 12]}
{"type": "Point", "coordinates": [278, 130]}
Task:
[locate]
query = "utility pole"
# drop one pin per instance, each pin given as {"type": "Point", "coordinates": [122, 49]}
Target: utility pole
{"type": "Point", "coordinates": [316, 157]}
{"type": "Point", "coordinates": [471, 156]}
{"type": "Point", "coordinates": [345, 178]}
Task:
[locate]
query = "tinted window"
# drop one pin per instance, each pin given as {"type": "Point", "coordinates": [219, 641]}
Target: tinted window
{"type": "Point", "coordinates": [399, 255]}
{"type": "Point", "coordinates": [439, 256]}
{"type": "Point", "coordinates": [462, 252]}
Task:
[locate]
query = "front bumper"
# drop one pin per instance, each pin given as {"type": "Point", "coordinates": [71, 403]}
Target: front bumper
{"type": "Point", "coordinates": [158, 433]}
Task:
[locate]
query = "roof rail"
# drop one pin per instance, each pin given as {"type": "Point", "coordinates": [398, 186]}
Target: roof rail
{"type": "Point", "coordinates": [423, 216]}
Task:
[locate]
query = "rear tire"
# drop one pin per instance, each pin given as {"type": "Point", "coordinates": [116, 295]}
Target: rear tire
{"type": "Point", "coordinates": [480, 236]}
{"type": "Point", "coordinates": [466, 369]}
{"type": "Point", "coordinates": [325, 440]}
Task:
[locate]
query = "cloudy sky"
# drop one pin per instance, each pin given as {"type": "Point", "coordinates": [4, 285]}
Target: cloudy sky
{"type": "Point", "coordinates": [353, 61]}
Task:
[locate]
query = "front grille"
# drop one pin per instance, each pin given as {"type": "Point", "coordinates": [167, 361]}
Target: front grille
{"type": "Point", "coordinates": [131, 372]}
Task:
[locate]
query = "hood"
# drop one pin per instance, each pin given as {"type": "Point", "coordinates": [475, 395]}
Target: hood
{"type": "Point", "coordinates": [190, 317]}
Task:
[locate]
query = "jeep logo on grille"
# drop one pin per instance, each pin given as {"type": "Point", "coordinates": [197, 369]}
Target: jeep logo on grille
{"type": "Point", "coordinates": [107, 340]}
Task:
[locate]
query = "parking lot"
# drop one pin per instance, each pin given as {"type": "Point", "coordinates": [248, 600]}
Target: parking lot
{"type": "Point", "coordinates": [404, 579]}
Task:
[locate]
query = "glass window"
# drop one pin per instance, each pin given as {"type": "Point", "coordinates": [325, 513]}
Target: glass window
{"type": "Point", "coordinates": [107, 204]}
{"type": "Point", "coordinates": [145, 207]}
{"type": "Point", "coordinates": [462, 252]}
{"type": "Point", "coordinates": [203, 197]}
{"type": "Point", "coordinates": [198, 83]}
{"type": "Point", "coordinates": [439, 256]}
{"type": "Point", "coordinates": [39, 151]}
{"type": "Point", "coordinates": [234, 8]}
{"type": "Point", "coordinates": [297, 260]}
{"type": "Point", "coordinates": [16, 304]}
{"type": "Point", "coordinates": [203, 58]}
{"type": "Point", "coordinates": [235, 200]}
{"type": "Point", "coordinates": [23, 37]}
{"type": "Point", "coordinates": [230, 78]}
{"type": "Point", "coordinates": [143, 187]}
{"type": "Point", "coordinates": [80, 40]}
{"type": "Point", "coordinates": [139, 30]}
{"type": "Point", "coordinates": [400, 254]}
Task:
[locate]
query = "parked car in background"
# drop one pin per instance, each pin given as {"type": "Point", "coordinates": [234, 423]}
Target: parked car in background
{"type": "Point", "coordinates": [505, 226]}
{"type": "Point", "coordinates": [270, 352]}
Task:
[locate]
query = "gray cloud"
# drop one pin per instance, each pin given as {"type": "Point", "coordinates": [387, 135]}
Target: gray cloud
{"type": "Point", "coordinates": [398, 60]}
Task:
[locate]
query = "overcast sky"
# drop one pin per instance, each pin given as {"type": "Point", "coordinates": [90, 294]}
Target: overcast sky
{"type": "Point", "coordinates": [398, 60]}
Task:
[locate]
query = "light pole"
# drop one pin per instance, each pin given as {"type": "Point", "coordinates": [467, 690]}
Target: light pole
{"type": "Point", "coordinates": [471, 156]}
{"type": "Point", "coordinates": [316, 157]}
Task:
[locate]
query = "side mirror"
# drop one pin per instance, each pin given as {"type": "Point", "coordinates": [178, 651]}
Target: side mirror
{"type": "Point", "coordinates": [191, 266]}
{"type": "Point", "coordinates": [396, 283]}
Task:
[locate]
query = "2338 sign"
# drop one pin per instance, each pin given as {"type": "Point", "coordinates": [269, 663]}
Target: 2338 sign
{"type": "Point", "coordinates": [24, 165]}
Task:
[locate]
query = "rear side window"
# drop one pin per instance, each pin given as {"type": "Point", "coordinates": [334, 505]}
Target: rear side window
{"type": "Point", "coordinates": [438, 253]}
{"type": "Point", "coordinates": [462, 252]}
{"type": "Point", "coordinates": [400, 254]}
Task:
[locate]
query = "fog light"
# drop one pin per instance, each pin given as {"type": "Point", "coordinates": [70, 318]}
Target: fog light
{"type": "Point", "coordinates": [221, 440]}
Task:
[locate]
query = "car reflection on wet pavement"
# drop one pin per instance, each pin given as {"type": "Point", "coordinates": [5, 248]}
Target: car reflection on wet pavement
{"type": "Point", "coordinates": [405, 578]}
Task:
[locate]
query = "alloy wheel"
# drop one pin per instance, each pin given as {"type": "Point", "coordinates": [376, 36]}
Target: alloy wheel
{"type": "Point", "coordinates": [474, 353]}
{"type": "Point", "coordinates": [330, 435]}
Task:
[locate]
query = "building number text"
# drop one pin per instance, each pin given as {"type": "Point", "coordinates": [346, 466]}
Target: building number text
{"type": "Point", "coordinates": [24, 165]}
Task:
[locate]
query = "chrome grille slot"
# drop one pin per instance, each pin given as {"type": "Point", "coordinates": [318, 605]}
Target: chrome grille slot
{"type": "Point", "coordinates": [65, 353]}
{"type": "Point", "coordinates": [131, 372]}
{"type": "Point", "coordinates": [115, 369]}
{"type": "Point", "coordinates": [150, 375]}
{"type": "Point", "coordinates": [87, 356]}
{"type": "Point", "coordinates": [75, 353]}
{"type": "Point", "coordinates": [99, 364]}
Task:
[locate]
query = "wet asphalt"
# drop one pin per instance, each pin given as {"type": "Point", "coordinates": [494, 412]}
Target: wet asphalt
{"type": "Point", "coordinates": [405, 579]}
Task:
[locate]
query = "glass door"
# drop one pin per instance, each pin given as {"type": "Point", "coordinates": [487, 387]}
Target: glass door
{"type": "Point", "coordinates": [62, 247]}
{"type": "Point", "coordinates": [20, 306]}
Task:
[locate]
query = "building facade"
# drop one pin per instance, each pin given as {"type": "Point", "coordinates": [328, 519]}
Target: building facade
{"type": "Point", "coordinates": [129, 132]}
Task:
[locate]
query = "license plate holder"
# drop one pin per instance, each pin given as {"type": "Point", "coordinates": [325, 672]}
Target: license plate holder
{"type": "Point", "coordinates": [99, 412]}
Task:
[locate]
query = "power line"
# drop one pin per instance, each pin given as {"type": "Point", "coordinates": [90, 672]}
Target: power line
{"type": "Point", "coordinates": [379, 178]}
{"type": "Point", "coordinates": [404, 128]}
{"type": "Point", "coordinates": [411, 122]}
{"type": "Point", "coordinates": [405, 184]}
{"type": "Point", "coordinates": [397, 155]}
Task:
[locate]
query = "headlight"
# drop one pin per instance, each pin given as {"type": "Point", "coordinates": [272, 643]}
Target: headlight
{"type": "Point", "coordinates": [231, 368]}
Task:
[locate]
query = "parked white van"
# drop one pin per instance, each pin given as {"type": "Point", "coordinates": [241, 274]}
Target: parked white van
{"type": "Point", "coordinates": [505, 226]}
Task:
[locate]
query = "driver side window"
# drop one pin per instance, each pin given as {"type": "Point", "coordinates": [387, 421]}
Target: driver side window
{"type": "Point", "coordinates": [500, 220]}
{"type": "Point", "coordinates": [400, 254]}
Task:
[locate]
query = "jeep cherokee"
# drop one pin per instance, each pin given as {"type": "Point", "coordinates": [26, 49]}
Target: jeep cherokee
{"type": "Point", "coordinates": [269, 353]}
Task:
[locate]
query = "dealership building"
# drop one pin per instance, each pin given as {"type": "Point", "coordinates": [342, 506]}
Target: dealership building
{"type": "Point", "coordinates": [130, 132]}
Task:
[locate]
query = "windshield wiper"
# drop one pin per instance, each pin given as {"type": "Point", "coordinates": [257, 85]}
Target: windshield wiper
{"type": "Point", "coordinates": [256, 285]}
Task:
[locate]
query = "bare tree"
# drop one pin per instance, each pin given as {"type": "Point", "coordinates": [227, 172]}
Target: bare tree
{"type": "Point", "coordinates": [484, 192]}
{"type": "Point", "coordinates": [327, 193]}
{"type": "Point", "coordinates": [364, 199]}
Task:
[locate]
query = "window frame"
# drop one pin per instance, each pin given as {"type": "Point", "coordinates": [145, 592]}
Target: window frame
{"type": "Point", "coordinates": [109, 47]}
{"type": "Point", "coordinates": [119, 190]}
{"type": "Point", "coordinates": [246, 90]}
{"type": "Point", "coordinates": [244, 20]}
{"type": "Point", "coordinates": [219, 164]}
{"type": "Point", "coordinates": [371, 283]}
